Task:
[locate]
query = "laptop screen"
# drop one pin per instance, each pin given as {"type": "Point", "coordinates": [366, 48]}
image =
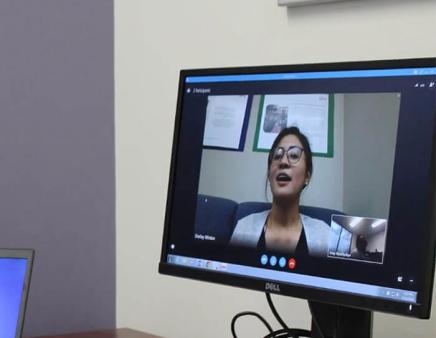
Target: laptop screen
{"type": "Point", "coordinates": [15, 269]}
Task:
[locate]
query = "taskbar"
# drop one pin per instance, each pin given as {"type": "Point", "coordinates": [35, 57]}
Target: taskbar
{"type": "Point", "coordinates": [400, 295]}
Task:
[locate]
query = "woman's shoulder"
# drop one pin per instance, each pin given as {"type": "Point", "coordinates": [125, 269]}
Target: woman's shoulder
{"type": "Point", "coordinates": [249, 228]}
{"type": "Point", "coordinates": [314, 222]}
{"type": "Point", "coordinates": [252, 221]}
{"type": "Point", "coordinates": [317, 233]}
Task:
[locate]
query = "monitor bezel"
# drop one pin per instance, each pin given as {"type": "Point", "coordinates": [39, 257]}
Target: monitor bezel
{"type": "Point", "coordinates": [313, 294]}
{"type": "Point", "coordinates": [28, 255]}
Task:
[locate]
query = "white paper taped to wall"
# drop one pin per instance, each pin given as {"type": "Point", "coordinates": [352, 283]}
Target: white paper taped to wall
{"type": "Point", "coordinates": [308, 112]}
{"type": "Point", "coordinates": [225, 116]}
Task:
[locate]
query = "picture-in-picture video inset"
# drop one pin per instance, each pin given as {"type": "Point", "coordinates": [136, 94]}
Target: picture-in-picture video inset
{"type": "Point", "coordinates": [358, 238]}
{"type": "Point", "coordinates": [333, 163]}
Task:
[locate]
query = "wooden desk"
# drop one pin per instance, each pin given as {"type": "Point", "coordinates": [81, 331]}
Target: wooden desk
{"type": "Point", "coordinates": [115, 333]}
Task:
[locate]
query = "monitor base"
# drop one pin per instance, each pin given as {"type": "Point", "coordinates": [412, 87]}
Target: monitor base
{"type": "Point", "coordinates": [340, 321]}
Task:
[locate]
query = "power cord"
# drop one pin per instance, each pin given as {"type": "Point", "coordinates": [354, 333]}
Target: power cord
{"type": "Point", "coordinates": [288, 333]}
{"type": "Point", "coordinates": [315, 320]}
{"type": "Point", "coordinates": [285, 332]}
{"type": "Point", "coordinates": [249, 313]}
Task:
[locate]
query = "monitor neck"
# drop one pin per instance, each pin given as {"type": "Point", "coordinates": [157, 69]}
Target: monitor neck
{"type": "Point", "coordinates": [333, 321]}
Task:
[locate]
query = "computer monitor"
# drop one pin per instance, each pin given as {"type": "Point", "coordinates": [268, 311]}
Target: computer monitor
{"type": "Point", "coordinates": [314, 181]}
{"type": "Point", "coordinates": [15, 272]}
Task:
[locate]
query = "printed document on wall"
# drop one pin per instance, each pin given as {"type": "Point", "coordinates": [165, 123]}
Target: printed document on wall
{"type": "Point", "coordinates": [225, 116]}
{"type": "Point", "coordinates": [308, 112]}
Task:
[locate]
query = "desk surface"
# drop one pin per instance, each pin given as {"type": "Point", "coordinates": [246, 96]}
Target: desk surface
{"type": "Point", "coordinates": [115, 333]}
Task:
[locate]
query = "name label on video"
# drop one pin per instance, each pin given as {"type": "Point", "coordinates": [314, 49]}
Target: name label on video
{"type": "Point", "coordinates": [201, 91]}
{"type": "Point", "coordinates": [204, 237]}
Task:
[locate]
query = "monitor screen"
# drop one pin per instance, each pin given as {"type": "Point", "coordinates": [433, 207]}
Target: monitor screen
{"type": "Point", "coordinates": [15, 269]}
{"type": "Point", "coordinates": [313, 181]}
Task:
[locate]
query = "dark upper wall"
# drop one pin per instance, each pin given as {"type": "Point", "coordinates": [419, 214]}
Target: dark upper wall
{"type": "Point", "coordinates": [57, 170]}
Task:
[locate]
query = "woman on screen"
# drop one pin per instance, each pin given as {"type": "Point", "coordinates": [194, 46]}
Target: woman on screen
{"type": "Point", "coordinates": [283, 228]}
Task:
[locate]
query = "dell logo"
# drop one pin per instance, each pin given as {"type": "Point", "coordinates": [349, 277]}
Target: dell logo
{"type": "Point", "coordinates": [272, 287]}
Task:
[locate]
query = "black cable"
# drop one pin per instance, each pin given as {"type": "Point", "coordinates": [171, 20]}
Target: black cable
{"type": "Point", "coordinates": [274, 311]}
{"type": "Point", "coordinates": [315, 320]}
{"type": "Point", "coordinates": [285, 332]}
{"type": "Point", "coordinates": [282, 333]}
{"type": "Point", "coordinates": [249, 313]}
{"type": "Point", "coordinates": [291, 333]}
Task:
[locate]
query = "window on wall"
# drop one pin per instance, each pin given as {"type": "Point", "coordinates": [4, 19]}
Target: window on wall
{"type": "Point", "coordinates": [344, 244]}
{"type": "Point", "coordinates": [340, 240]}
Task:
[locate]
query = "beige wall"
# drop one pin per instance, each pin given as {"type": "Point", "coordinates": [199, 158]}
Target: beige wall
{"type": "Point", "coordinates": [371, 122]}
{"type": "Point", "coordinates": [154, 39]}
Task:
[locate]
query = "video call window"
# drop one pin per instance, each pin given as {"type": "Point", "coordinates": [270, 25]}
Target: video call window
{"type": "Point", "coordinates": [353, 183]}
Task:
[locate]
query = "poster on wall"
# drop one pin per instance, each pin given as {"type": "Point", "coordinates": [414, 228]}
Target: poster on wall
{"type": "Point", "coordinates": [226, 122]}
{"type": "Point", "coordinates": [311, 113]}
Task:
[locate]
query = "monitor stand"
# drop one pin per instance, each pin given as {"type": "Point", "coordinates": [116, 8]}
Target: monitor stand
{"type": "Point", "coordinates": [340, 321]}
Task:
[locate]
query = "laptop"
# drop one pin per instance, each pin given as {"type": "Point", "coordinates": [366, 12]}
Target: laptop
{"type": "Point", "coordinates": [15, 271]}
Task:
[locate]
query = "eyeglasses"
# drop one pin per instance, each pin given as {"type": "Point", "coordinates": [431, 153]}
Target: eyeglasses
{"type": "Point", "coordinates": [293, 154]}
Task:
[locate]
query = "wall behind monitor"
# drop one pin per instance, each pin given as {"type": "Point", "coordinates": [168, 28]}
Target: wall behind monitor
{"type": "Point", "coordinates": [57, 176]}
{"type": "Point", "coordinates": [154, 40]}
